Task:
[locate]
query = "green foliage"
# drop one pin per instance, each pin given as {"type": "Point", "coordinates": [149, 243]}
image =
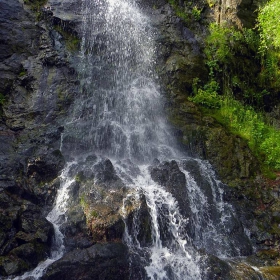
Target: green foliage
{"type": "Point", "coordinates": [208, 96]}
{"type": "Point", "coordinates": [224, 43]}
{"type": "Point", "coordinates": [234, 60]}
{"type": "Point", "coordinates": [243, 72]}
{"type": "Point", "coordinates": [196, 13]}
{"type": "Point", "coordinates": [243, 120]}
{"type": "Point", "coordinates": [269, 28]}
{"type": "Point", "coordinates": [217, 43]}
{"type": "Point", "coordinates": [270, 74]}
{"type": "Point", "coordinates": [188, 11]}
{"type": "Point", "coordinates": [268, 24]}
{"type": "Point", "coordinates": [178, 10]}
{"type": "Point", "coordinates": [211, 3]}
{"type": "Point", "coordinates": [252, 39]}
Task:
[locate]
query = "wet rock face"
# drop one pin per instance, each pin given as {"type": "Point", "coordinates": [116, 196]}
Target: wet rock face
{"type": "Point", "coordinates": [15, 44]}
{"type": "Point", "coordinates": [217, 269]}
{"type": "Point", "coordinates": [169, 175]}
{"type": "Point", "coordinates": [138, 220]}
{"type": "Point", "coordinates": [36, 83]}
{"type": "Point", "coordinates": [100, 261]}
{"type": "Point", "coordinates": [25, 235]}
{"type": "Point", "coordinates": [46, 166]}
{"type": "Point", "coordinates": [205, 138]}
{"type": "Point", "coordinates": [179, 55]}
{"type": "Point", "coordinates": [101, 194]}
{"type": "Point", "coordinates": [96, 198]}
{"type": "Point", "coordinates": [67, 12]}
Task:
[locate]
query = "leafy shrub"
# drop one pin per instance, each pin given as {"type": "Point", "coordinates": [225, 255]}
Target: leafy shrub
{"type": "Point", "coordinates": [207, 99]}
{"type": "Point", "coordinates": [208, 96]}
{"type": "Point", "coordinates": [196, 13]}
{"type": "Point", "coordinates": [269, 28]}
{"type": "Point", "coordinates": [268, 24]}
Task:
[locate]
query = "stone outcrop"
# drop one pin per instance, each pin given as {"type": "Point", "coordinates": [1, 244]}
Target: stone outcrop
{"type": "Point", "coordinates": [100, 261]}
{"type": "Point", "coordinates": [206, 138]}
{"type": "Point", "coordinates": [168, 174]}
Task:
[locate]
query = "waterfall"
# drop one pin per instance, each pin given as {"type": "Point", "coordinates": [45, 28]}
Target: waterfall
{"type": "Point", "coordinates": [120, 111]}
{"type": "Point", "coordinates": [119, 115]}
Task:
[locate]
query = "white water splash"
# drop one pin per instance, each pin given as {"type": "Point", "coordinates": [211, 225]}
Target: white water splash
{"type": "Point", "coordinates": [57, 218]}
{"type": "Point", "coordinates": [175, 259]}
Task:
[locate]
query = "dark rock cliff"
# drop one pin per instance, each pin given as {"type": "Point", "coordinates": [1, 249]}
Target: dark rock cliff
{"type": "Point", "coordinates": [36, 84]}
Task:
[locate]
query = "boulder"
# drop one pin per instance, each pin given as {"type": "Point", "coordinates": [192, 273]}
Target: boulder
{"type": "Point", "coordinates": [169, 175]}
{"type": "Point", "coordinates": [100, 261]}
{"type": "Point", "coordinates": [25, 234]}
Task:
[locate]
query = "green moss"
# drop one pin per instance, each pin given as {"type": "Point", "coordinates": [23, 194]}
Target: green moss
{"type": "Point", "coordinates": [2, 99]}
{"type": "Point", "coordinates": [22, 73]}
{"type": "Point", "coordinates": [72, 42]}
{"type": "Point", "coordinates": [83, 201]}
{"type": "Point", "coordinates": [79, 178]}
{"type": "Point", "coordinates": [35, 5]}
{"type": "Point", "coordinates": [275, 230]}
{"type": "Point", "coordinates": [268, 254]}
{"type": "Point", "coordinates": [179, 11]}
{"type": "Point", "coordinates": [243, 121]}
{"type": "Point", "coordinates": [271, 271]}
{"type": "Point", "coordinates": [196, 13]}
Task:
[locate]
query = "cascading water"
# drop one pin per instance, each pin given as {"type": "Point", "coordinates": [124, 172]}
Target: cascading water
{"type": "Point", "coordinates": [119, 115]}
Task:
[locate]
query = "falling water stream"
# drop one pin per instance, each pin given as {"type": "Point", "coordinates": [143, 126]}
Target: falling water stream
{"type": "Point", "coordinates": [119, 115]}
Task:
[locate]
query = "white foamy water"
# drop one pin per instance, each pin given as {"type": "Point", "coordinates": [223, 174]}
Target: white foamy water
{"type": "Point", "coordinates": [172, 259]}
{"type": "Point", "coordinates": [56, 217]}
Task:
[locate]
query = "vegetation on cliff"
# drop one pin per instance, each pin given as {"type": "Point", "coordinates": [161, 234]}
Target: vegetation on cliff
{"type": "Point", "coordinates": [269, 25]}
{"type": "Point", "coordinates": [244, 82]}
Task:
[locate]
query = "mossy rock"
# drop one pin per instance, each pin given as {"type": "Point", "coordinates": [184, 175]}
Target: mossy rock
{"type": "Point", "coordinates": [271, 272]}
{"type": "Point", "coordinates": [268, 254]}
{"type": "Point", "coordinates": [35, 4]}
{"type": "Point", "coordinates": [205, 137]}
{"type": "Point", "coordinates": [11, 265]}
